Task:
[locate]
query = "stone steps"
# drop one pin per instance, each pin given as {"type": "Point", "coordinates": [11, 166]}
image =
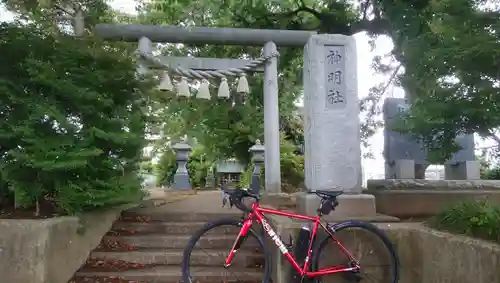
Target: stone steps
{"type": "Point", "coordinates": [146, 246]}
{"type": "Point", "coordinates": [138, 216]}
{"type": "Point", "coordinates": [199, 257]}
{"type": "Point", "coordinates": [162, 228]}
{"type": "Point", "coordinates": [171, 274]}
{"type": "Point", "coordinates": [147, 242]}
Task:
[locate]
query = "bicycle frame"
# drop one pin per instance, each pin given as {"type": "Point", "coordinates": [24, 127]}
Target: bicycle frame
{"type": "Point", "coordinates": [258, 215]}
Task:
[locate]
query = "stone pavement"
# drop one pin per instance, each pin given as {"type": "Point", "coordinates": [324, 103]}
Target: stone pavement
{"type": "Point", "coordinates": [188, 202]}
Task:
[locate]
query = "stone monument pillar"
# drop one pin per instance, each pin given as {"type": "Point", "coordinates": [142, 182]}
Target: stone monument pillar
{"type": "Point", "coordinates": [331, 126]}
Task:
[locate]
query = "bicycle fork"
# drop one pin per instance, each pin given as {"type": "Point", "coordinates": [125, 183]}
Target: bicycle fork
{"type": "Point", "coordinates": [240, 239]}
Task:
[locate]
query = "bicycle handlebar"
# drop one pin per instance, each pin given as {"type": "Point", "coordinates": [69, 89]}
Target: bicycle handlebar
{"type": "Point", "coordinates": [237, 195]}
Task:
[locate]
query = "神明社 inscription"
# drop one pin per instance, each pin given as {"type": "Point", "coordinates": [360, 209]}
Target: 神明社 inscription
{"type": "Point", "coordinates": [334, 79]}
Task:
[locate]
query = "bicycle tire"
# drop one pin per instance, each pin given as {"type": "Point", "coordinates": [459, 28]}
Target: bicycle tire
{"type": "Point", "coordinates": [186, 275]}
{"type": "Point", "coordinates": [321, 243]}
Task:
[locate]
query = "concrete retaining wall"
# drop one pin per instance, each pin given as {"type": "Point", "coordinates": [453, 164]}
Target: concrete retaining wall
{"type": "Point", "coordinates": [50, 250]}
{"type": "Point", "coordinates": [432, 256]}
{"type": "Point", "coordinates": [426, 255]}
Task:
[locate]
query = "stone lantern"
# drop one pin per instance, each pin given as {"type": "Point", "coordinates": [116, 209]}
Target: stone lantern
{"type": "Point", "coordinates": [210, 179]}
{"type": "Point", "coordinates": [181, 178]}
{"type": "Point", "coordinates": [257, 151]}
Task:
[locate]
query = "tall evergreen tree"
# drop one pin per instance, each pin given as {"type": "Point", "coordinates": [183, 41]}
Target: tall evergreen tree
{"type": "Point", "coordinates": [72, 119]}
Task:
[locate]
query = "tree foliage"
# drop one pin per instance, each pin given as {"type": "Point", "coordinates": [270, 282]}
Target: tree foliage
{"type": "Point", "coordinates": [72, 119]}
{"type": "Point", "coordinates": [451, 51]}
{"type": "Point", "coordinates": [445, 56]}
{"type": "Point", "coordinates": [322, 16]}
{"type": "Point", "coordinates": [437, 45]}
{"type": "Point", "coordinates": [225, 128]}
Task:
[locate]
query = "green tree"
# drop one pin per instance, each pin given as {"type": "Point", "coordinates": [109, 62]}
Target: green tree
{"type": "Point", "coordinates": [488, 159]}
{"type": "Point", "coordinates": [450, 50]}
{"type": "Point", "coordinates": [225, 129]}
{"type": "Point", "coordinates": [72, 119]}
{"type": "Point", "coordinates": [434, 41]}
{"type": "Point", "coordinates": [229, 130]}
{"type": "Point", "coordinates": [147, 167]}
{"type": "Point", "coordinates": [322, 16]}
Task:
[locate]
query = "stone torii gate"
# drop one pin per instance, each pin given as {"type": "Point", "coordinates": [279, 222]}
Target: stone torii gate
{"type": "Point", "coordinates": [204, 68]}
{"type": "Point", "coordinates": [331, 104]}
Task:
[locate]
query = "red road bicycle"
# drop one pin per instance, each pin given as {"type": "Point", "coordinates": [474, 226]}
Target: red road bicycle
{"type": "Point", "coordinates": [351, 270]}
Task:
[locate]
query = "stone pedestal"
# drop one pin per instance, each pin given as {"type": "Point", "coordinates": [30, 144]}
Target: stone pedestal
{"type": "Point", "coordinates": [181, 177]}
{"type": "Point", "coordinates": [331, 125]}
{"type": "Point", "coordinates": [361, 206]}
{"type": "Point", "coordinates": [466, 170]}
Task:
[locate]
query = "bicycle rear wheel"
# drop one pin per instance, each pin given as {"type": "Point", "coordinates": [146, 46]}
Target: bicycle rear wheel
{"type": "Point", "coordinates": [251, 264]}
{"type": "Point", "coordinates": [380, 264]}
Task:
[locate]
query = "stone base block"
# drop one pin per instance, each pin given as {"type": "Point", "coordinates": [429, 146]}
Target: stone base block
{"type": "Point", "coordinates": [350, 206]}
{"type": "Point", "coordinates": [34, 251]}
{"type": "Point", "coordinates": [400, 169]}
{"type": "Point", "coordinates": [468, 170]}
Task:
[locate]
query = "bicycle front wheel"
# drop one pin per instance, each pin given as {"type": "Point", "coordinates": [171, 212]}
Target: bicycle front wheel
{"type": "Point", "coordinates": [209, 247]}
{"type": "Point", "coordinates": [369, 246]}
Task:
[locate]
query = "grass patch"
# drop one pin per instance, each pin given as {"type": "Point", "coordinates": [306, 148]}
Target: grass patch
{"type": "Point", "coordinates": [475, 218]}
